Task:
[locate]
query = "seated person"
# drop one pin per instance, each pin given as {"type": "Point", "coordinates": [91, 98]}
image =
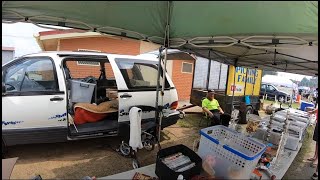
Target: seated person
{"type": "Point", "coordinates": [212, 108]}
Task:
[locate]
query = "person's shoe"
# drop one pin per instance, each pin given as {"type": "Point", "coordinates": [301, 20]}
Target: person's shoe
{"type": "Point", "coordinates": [314, 176]}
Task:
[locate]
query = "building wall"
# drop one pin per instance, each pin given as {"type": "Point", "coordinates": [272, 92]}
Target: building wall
{"type": "Point", "coordinates": [104, 44]}
{"type": "Point", "coordinates": [182, 81]}
{"type": "Point", "coordinates": [7, 56]}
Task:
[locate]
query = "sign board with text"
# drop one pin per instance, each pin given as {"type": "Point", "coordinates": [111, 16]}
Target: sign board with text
{"type": "Point", "coordinates": [247, 81]}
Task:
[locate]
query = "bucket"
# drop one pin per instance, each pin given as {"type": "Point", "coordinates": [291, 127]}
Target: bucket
{"type": "Point", "coordinates": [304, 105]}
{"type": "Point", "coordinates": [247, 100]}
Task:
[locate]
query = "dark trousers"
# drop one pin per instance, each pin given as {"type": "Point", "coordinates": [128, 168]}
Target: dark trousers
{"type": "Point", "coordinates": [215, 120]}
{"type": "Point", "coordinates": [220, 119]}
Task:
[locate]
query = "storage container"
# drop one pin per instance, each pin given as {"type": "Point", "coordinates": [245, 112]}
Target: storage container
{"type": "Point", "coordinates": [165, 173]}
{"type": "Point", "coordinates": [230, 154]}
{"type": "Point", "coordinates": [304, 105]}
{"type": "Point", "coordinates": [247, 100]}
{"type": "Point", "coordinates": [81, 91]}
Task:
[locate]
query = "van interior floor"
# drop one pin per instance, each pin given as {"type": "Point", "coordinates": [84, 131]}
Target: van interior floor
{"type": "Point", "coordinates": [95, 127]}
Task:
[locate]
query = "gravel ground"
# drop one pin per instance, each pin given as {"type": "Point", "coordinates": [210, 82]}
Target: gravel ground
{"type": "Point", "coordinates": [93, 157]}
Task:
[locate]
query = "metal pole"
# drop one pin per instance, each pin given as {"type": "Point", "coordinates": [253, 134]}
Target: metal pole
{"type": "Point", "coordinates": [166, 45]}
{"type": "Point", "coordinates": [254, 82]}
{"type": "Point", "coordinates": [162, 92]}
{"type": "Point", "coordinates": [164, 70]}
{"type": "Point", "coordinates": [219, 76]}
{"type": "Point", "coordinates": [234, 84]}
{"type": "Point", "coordinates": [245, 82]}
{"type": "Point", "coordinates": [158, 87]}
{"type": "Point", "coordinates": [209, 69]}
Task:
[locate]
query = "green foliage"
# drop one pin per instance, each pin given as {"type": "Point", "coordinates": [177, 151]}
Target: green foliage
{"type": "Point", "coordinates": [313, 82]}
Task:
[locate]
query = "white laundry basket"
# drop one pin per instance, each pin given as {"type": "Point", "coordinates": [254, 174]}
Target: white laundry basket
{"type": "Point", "coordinates": [81, 91]}
{"type": "Point", "coordinates": [229, 154]}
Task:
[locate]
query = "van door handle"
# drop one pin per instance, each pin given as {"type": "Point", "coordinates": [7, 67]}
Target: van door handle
{"type": "Point", "coordinates": [56, 99]}
{"type": "Point", "coordinates": [126, 96]}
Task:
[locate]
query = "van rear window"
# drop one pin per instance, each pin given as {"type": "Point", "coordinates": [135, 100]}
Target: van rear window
{"type": "Point", "coordinates": [139, 74]}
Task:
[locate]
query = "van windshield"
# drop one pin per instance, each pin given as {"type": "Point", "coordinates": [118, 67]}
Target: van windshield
{"type": "Point", "coordinates": [139, 74]}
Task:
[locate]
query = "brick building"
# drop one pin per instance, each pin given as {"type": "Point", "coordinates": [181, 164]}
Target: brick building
{"type": "Point", "coordinates": [7, 54]}
{"type": "Point", "coordinates": [181, 71]}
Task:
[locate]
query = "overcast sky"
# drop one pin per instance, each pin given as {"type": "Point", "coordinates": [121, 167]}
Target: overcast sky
{"type": "Point", "coordinates": [21, 37]}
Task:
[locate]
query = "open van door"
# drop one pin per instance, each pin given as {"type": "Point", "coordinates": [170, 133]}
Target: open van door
{"type": "Point", "coordinates": [139, 79]}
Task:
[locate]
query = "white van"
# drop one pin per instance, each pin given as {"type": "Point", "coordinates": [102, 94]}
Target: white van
{"type": "Point", "coordinates": [40, 91]}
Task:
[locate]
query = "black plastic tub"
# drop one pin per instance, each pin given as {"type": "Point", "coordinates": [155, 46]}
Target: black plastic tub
{"type": "Point", "coordinates": [165, 173]}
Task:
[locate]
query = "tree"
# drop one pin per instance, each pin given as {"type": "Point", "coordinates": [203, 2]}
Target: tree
{"type": "Point", "coordinates": [313, 82]}
{"type": "Point", "coordinates": [304, 82]}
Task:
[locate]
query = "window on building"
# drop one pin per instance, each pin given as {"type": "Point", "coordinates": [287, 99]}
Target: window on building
{"type": "Point", "coordinates": [88, 50]}
{"type": "Point", "coordinates": [187, 67]}
{"type": "Point", "coordinates": [90, 63]}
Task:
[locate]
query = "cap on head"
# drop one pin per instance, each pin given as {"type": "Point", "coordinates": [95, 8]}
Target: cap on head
{"type": "Point", "coordinates": [211, 91]}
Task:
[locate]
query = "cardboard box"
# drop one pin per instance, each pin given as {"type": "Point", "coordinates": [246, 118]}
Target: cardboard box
{"type": "Point", "coordinates": [7, 167]}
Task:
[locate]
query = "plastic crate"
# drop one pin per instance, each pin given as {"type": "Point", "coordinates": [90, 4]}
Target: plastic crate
{"type": "Point", "coordinates": [229, 154]}
{"type": "Point", "coordinates": [81, 91]}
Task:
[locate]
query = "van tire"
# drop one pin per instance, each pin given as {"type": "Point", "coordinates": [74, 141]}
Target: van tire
{"type": "Point", "coordinates": [182, 115]}
{"type": "Point", "coordinates": [281, 97]}
{"type": "Point", "coordinates": [243, 116]}
{"type": "Point", "coordinates": [4, 150]}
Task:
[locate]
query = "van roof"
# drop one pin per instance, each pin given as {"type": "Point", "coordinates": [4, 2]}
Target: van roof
{"type": "Point", "coordinates": [61, 53]}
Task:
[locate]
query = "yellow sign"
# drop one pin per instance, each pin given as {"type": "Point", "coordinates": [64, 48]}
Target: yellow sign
{"type": "Point", "coordinates": [247, 81]}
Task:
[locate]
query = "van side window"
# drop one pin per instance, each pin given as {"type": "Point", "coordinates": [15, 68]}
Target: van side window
{"type": "Point", "coordinates": [263, 87]}
{"type": "Point", "coordinates": [31, 74]}
{"type": "Point", "coordinates": [140, 75]}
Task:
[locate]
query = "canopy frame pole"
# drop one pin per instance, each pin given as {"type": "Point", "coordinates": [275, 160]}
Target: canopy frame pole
{"type": "Point", "coordinates": [158, 87]}
{"type": "Point", "coordinates": [166, 46]}
{"type": "Point", "coordinates": [209, 69]}
{"type": "Point", "coordinates": [234, 84]}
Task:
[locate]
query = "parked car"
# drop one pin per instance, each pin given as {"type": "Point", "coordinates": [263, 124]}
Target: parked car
{"type": "Point", "coordinates": [273, 92]}
{"type": "Point", "coordinates": [38, 98]}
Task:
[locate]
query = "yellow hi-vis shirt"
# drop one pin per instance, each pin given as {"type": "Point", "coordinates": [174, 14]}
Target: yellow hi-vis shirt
{"type": "Point", "coordinates": [210, 105]}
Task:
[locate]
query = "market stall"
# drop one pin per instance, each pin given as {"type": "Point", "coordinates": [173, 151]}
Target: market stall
{"type": "Point", "coordinates": [150, 169]}
{"type": "Point", "coordinates": [280, 36]}
{"type": "Point", "coordinates": [283, 150]}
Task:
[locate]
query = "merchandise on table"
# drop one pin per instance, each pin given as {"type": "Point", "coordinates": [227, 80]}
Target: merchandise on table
{"type": "Point", "coordinates": [177, 160]}
{"type": "Point", "coordinates": [228, 154]}
{"type": "Point", "coordinates": [296, 129]}
{"type": "Point", "coordinates": [274, 138]}
{"type": "Point", "coordinates": [140, 176]}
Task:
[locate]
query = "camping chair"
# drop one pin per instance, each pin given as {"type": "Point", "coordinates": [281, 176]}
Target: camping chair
{"type": "Point", "coordinates": [205, 116]}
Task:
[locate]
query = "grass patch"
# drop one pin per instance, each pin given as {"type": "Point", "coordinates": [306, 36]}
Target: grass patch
{"type": "Point", "coordinates": [191, 120]}
{"type": "Point", "coordinates": [305, 148]}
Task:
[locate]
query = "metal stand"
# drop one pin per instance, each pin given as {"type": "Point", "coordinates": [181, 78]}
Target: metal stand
{"type": "Point", "coordinates": [284, 136]}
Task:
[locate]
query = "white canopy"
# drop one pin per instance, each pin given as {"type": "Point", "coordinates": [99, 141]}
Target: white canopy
{"type": "Point", "coordinates": [279, 81]}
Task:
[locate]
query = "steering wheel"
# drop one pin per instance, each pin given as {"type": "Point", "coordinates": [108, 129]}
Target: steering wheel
{"type": "Point", "coordinates": [10, 88]}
